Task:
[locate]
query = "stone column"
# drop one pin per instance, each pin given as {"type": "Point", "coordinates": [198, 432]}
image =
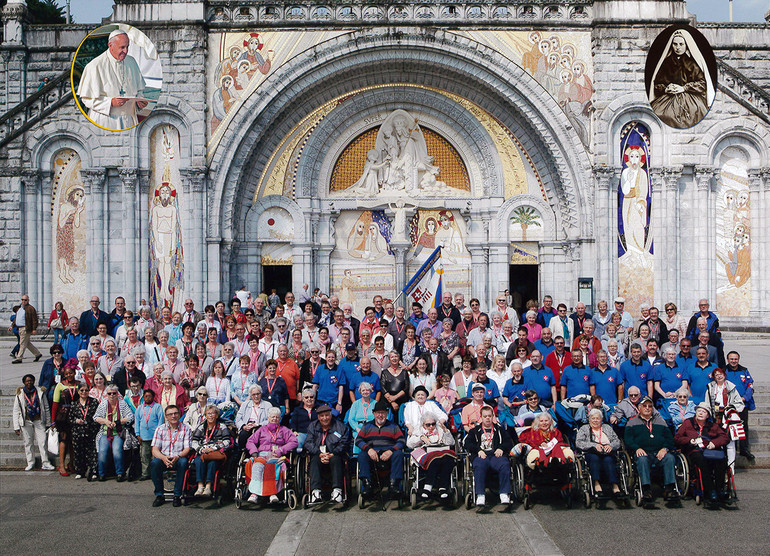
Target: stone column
{"type": "Point", "coordinates": [670, 183]}
{"type": "Point", "coordinates": [605, 234]}
{"type": "Point", "coordinates": [142, 231]}
{"type": "Point", "coordinates": [93, 179]}
{"type": "Point", "coordinates": [225, 255]}
{"type": "Point", "coordinates": [480, 279]}
{"type": "Point", "coordinates": [301, 256]}
{"type": "Point", "coordinates": [702, 277]}
{"type": "Point", "coordinates": [400, 249]}
{"type": "Point", "coordinates": [193, 224]}
{"type": "Point", "coordinates": [214, 284]}
{"type": "Point", "coordinates": [129, 178]}
{"type": "Point", "coordinates": [323, 270]}
{"type": "Point", "coordinates": [46, 247]}
{"type": "Point", "coordinates": [497, 269]}
{"type": "Point", "coordinates": [31, 258]}
{"type": "Point", "coordinates": [14, 54]}
{"type": "Point", "coordinates": [759, 184]}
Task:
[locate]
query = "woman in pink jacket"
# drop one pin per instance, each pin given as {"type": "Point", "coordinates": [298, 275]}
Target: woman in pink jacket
{"type": "Point", "coordinates": [269, 447]}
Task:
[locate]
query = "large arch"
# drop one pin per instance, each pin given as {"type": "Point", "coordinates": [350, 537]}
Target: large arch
{"type": "Point", "coordinates": [436, 58]}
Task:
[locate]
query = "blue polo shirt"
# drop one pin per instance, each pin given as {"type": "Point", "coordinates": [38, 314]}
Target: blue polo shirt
{"type": "Point", "coordinates": [577, 380]}
{"type": "Point", "coordinates": [742, 379]}
{"type": "Point", "coordinates": [545, 350]}
{"type": "Point", "coordinates": [348, 367]}
{"type": "Point", "coordinates": [670, 378]}
{"type": "Point", "coordinates": [72, 343]}
{"type": "Point", "coordinates": [636, 375]}
{"type": "Point", "coordinates": [353, 380]}
{"type": "Point", "coordinates": [699, 380]}
{"type": "Point", "coordinates": [328, 381]}
{"type": "Point", "coordinates": [492, 391]}
{"type": "Point", "coordinates": [606, 383]}
{"type": "Point", "coordinates": [540, 381]}
{"type": "Point", "coordinates": [685, 362]}
{"type": "Point", "coordinates": [514, 391]}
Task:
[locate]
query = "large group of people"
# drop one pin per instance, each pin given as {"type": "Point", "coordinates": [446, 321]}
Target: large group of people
{"type": "Point", "coordinates": [132, 394]}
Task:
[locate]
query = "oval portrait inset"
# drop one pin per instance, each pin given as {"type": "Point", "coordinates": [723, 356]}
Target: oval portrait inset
{"type": "Point", "coordinates": [680, 76]}
{"type": "Point", "coordinates": [116, 77]}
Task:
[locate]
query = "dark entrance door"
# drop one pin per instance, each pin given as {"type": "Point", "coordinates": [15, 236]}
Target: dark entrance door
{"type": "Point", "coordinates": [278, 277]}
{"type": "Point", "coordinates": [523, 281]}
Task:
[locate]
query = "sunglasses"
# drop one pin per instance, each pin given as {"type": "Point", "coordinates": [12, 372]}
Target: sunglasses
{"type": "Point", "coordinates": [430, 424]}
{"type": "Point", "coordinates": [112, 393]}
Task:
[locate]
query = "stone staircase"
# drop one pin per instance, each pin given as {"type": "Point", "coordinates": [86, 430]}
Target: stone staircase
{"type": "Point", "coordinates": [12, 447]}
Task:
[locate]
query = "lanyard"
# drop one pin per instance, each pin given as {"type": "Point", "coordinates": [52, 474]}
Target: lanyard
{"type": "Point", "coordinates": [597, 434]}
{"type": "Point", "coordinates": [167, 398]}
{"type": "Point", "coordinates": [217, 384]}
{"type": "Point", "coordinates": [313, 367]}
{"type": "Point", "coordinates": [172, 441]}
{"type": "Point", "coordinates": [240, 346]}
{"type": "Point", "coordinates": [254, 412]}
{"type": "Point", "coordinates": [32, 401]}
{"type": "Point", "coordinates": [366, 409]}
{"type": "Point", "coordinates": [212, 351]}
{"type": "Point", "coordinates": [210, 433]}
{"type": "Point", "coordinates": [147, 414]}
{"type": "Point", "coordinates": [270, 386]}
{"type": "Point", "coordinates": [649, 427]}
{"type": "Point", "coordinates": [399, 329]}
{"type": "Point", "coordinates": [84, 409]}
{"type": "Point", "coordinates": [323, 437]}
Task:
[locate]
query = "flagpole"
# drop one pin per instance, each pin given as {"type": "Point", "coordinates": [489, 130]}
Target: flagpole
{"type": "Point", "coordinates": [731, 11]}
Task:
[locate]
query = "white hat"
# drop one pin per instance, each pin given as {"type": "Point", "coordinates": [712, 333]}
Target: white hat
{"type": "Point", "coordinates": [115, 33]}
{"type": "Point", "coordinates": [620, 300]}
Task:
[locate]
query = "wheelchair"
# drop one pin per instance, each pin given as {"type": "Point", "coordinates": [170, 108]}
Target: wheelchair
{"type": "Point", "coordinates": [416, 476]}
{"type": "Point", "coordinates": [730, 497]}
{"type": "Point", "coordinates": [586, 480]}
{"type": "Point", "coordinates": [467, 482]}
{"type": "Point", "coordinates": [303, 481]}
{"type": "Point", "coordinates": [681, 476]}
{"type": "Point", "coordinates": [380, 482]}
{"type": "Point", "coordinates": [529, 482]}
{"type": "Point", "coordinates": [222, 487]}
{"type": "Point", "coordinates": [287, 496]}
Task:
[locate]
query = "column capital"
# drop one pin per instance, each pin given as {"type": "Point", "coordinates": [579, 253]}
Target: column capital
{"type": "Point", "coordinates": [703, 177]}
{"type": "Point", "coordinates": [129, 177]}
{"type": "Point", "coordinates": [93, 179]}
{"type": "Point", "coordinates": [759, 177]}
{"type": "Point", "coordinates": [194, 178]}
{"type": "Point", "coordinates": [30, 179]}
{"type": "Point", "coordinates": [605, 176]}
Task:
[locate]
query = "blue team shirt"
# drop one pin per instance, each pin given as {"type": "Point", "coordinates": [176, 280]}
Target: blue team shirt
{"type": "Point", "coordinates": [492, 390]}
{"type": "Point", "coordinates": [577, 380]}
{"type": "Point", "coordinates": [545, 350]}
{"type": "Point", "coordinates": [742, 379]}
{"type": "Point", "coordinates": [540, 381]}
{"type": "Point", "coordinates": [636, 375]}
{"type": "Point", "coordinates": [354, 379]}
{"type": "Point", "coordinates": [670, 378]}
{"type": "Point", "coordinates": [514, 391]}
{"type": "Point", "coordinates": [348, 367]}
{"type": "Point", "coordinates": [606, 383]}
{"type": "Point", "coordinates": [328, 381]}
{"type": "Point", "coordinates": [699, 380]}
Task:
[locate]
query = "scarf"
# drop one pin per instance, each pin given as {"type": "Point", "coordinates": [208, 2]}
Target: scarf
{"type": "Point", "coordinates": [33, 403]}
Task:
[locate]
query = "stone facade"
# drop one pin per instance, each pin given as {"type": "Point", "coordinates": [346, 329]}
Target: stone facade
{"type": "Point", "coordinates": [444, 62]}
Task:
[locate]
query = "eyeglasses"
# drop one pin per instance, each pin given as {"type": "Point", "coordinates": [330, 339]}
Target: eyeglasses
{"type": "Point", "coordinates": [112, 393]}
{"type": "Point", "coordinates": [202, 395]}
{"type": "Point", "coordinates": [634, 395]}
{"type": "Point", "coordinates": [430, 424]}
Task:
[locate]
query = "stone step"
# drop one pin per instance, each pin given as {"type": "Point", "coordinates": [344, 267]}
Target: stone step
{"type": "Point", "coordinates": [761, 460]}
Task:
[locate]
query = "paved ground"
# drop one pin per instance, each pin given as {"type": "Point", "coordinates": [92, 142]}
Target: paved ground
{"type": "Point", "coordinates": [41, 512]}
{"type": "Point", "coordinates": [752, 348]}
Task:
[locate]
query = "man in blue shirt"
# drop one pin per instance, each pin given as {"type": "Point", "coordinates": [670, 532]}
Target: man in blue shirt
{"type": "Point", "coordinates": [74, 340]}
{"type": "Point", "coordinates": [491, 391]}
{"type": "Point", "coordinates": [545, 344]}
{"type": "Point", "coordinates": [91, 319]}
{"type": "Point", "coordinates": [330, 383]}
{"type": "Point", "coordinates": [349, 363]}
{"type": "Point", "coordinates": [576, 377]}
{"type": "Point", "coordinates": [744, 383]}
{"type": "Point", "coordinates": [686, 357]}
{"type": "Point", "coordinates": [700, 374]}
{"type": "Point", "coordinates": [668, 377]}
{"type": "Point", "coordinates": [637, 372]}
{"type": "Point", "coordinates": [362, 372]}
{"type": "Point", "coordinates": [540, 378]}
{"type": "Point", "coordinates": [606, 381]}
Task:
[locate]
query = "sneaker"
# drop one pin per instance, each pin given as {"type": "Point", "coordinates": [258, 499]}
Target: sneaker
{"type": "Point", "coordinates": [673, 495]}
{"type": "Point", "coordinates": [253, 499]}
{"type": "Point", "coordinates": [177, 502]}
{"type": "Point", "coordinates": [505, 498]}
{"type": "Point", "coordinates": [647, 499]}
{"type": "Point", "coordinates": [30, 467]}
{"type": "Point", "coordinates": [159, 501]}
{"type": "Point", "coordinates": [102, 478]}
{"type": "Point", "coordinates": [38, 356]}
{"type": "Point", "coordinates": [48, 467]}
{"type": "Point", "coordinates": [274, 499]}
{"type": "Point", "coordinates": [78, 477]}
{"type": "Point", "coordinates": [206, 491]}
{"type": "Point", "coordinates": [16, 361]}
{"type": "Point", "coordinates": [315, 496]}
{"type": "Point", "coordinates": [121, 477]}
{"type": "Point", "coordinates": [199, 491]}
{"type": "Point", "coordinates": [424, 494]}
{"type": "Point", "coordinates": [481, 500]}
{"type": "Point", "coordinates": [337, 496]}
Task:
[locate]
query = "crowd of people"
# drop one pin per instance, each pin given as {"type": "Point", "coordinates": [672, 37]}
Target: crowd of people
{"type": "Point", "coordinates": [135, 393]}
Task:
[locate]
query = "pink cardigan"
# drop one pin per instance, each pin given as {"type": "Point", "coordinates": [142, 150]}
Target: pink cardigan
{"type": "Point", "coordinates": [263, 440]}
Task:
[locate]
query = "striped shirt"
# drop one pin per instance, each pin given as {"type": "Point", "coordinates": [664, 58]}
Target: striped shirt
{"type": "Point", "coordinates": [172, 443]}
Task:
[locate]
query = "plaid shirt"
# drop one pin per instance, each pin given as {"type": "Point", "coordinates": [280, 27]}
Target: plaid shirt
{"type": "Point", "coordinates": [163, 438]}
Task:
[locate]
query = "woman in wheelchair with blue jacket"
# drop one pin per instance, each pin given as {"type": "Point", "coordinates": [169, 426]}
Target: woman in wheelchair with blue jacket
{"type": "Point", "coordinates": [600, 445]}
{"type": "Point", "coordinates": [703, 441]}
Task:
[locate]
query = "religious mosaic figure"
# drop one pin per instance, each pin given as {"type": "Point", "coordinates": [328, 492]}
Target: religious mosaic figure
{"type": "Point", "coordinates": [167, 268]}
{"type": "Point", "coordinates": [635, 184]}
{"type": "Point", "coordinates": [448, 236]}
{"type": "Point", "coordinates": [681, 89]}
{"type": "Point", "coordinates": [70, 217]}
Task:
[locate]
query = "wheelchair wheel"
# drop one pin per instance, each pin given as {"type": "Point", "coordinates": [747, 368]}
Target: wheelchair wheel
{"type": "Point", "coordinates": [518, 481]}
{"type": "Point", "coordinates": [413, 498]}
{"type": "Point", "coordinates": [305, 501]}
{"type": "Point", "coordinates": [527, 501]}
{"type": "Point", "coordinates": [587, 499]}
{"type": "Point", "coordinates": [638, 496]}
{"type": "Point", "coordinates": [291, 500]}
{"type": "Point", "coordinates": [698, 499]}
{"type": "Point", "coordinates": [361, 502]}
{"type": "Point", "coordinates": [455, 497]}
{"type": "Point", "coordinates": [238, 498]}
{"type": "Point", "coordinates": [469, 501]}
{"type": "Point", "coordinates": [682, 474]}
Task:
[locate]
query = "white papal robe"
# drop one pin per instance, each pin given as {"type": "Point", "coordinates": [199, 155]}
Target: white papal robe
{"type": "Point", "coordinates": [105, 78]}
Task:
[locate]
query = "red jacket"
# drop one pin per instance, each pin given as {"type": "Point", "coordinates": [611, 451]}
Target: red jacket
{"type": "Point", "coordinates": [64, 319]}
{"type": "Point", "coordinates": [689, 430]}
{"type": "Point", "coordinates": [535, 437]}
{"type": "Point", "coordinates": [552, 362]}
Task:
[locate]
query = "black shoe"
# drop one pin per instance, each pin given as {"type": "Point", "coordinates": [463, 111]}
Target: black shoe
{"type": "Point", "coordinates": [102, 478]}
{"type": "Point", "coordinates": [177, 502]}
{"type": "Point", "coordinates": [670, 494]}
{"type": "Point", "coordinates": [121, 477]}
{"type": "Point", "coordinates": [16, 361]}
{"type": "Point", "coordinates": [159, 501]}
{"type": "Point", "coordinates": [394, 491]}
{"type": "Point", "coordinates": [38, 356]}
{"type": "Point", "coordinates": [747, 454]}
{"type": "Point", "coordinates": [365, 487]}
{"type": "Point", "coordinates": [145, 478]}
{"type": "Point", "coordinates": [647, 499]}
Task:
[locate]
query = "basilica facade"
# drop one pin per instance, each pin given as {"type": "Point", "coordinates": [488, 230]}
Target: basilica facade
{"type": "Point", "coordinates": [338, 144]}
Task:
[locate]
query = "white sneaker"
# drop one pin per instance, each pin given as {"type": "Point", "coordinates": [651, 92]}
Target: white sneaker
{"type": "Point", "coordinates": [199, 491]}
{"type": "Point", "coordinates": [505, 498]}
{"type": "Point", "coordinates": [274, 499]}
{"type": "Point", "coordinates": [47, 466]}
{"type": "Point", "coordinates": [481, 500]}
{"type": "Point", "coordinates": [253, 498]}
{"type": "Point", "coordinates": [337, 496]}
{"type": "Point", "coordinates": [207, 491]}
{"type": "Point", "coordinates": [315, 497]}
{"type": "Point", "coordinates": [30, 467]}
{"type": "Point", "coordinates": [78, 477]}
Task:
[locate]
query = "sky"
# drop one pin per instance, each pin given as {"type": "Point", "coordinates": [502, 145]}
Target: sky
{"type": "Point", "coordinates": [92, 11]}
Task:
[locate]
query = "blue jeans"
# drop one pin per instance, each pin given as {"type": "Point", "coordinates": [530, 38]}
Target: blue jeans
{"type": "Point", "coordinates": [104, 450]}
{"type": "Point", "coordinates": [645, 464]}
{"type": "Point", "coordinates": [206, 471]}
{"type": "Point", "coordinates": [396, 462]}
{"type": "Point", "coordinates": [481, 466]}
{"type": "Point", "coordinates": [301, 440]}
{"type": "Point", "coordinates": [157, 467]}
{"type": "Point", "coordinates": [604, 462]}
{"type": "Point", "coordinates": [57, 334]}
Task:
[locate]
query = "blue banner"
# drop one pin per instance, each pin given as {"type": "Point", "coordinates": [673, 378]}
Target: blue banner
{"type": "Point", "coordinates": [426, 284]}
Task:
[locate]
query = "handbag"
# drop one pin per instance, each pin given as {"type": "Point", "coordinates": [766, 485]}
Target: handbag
{"type": "Point", "coordinates": [130, 441]}
{"type": "Point", "coordinates": [216, 455]}
{"type": "Point", "coordinates": [52, 441]}
{"type": "Point", "coordinates": [713, 455]}
{"type": "Point", "coordinates": [56, 323]}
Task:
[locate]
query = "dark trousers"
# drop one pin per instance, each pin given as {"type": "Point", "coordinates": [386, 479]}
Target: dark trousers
{"type": "Point", "coordinates": [317, 467]}
{"type": "Point", "coordinates": [243, 438]}
{"type": "Point", "coordinates": [396, 462]}
{"type": "Point", "coordinates": [744, 444]}
{"type": "Point", "coordinates": [604, 465]}
{"type": "Point", "coordinates": [439, 472]}
{"type": "Point", "coordinates": [711, 471]}
{"type": "Point", "coordinates": [481, 466]}
{"type": "Point", "coordinates": [157, 467]}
